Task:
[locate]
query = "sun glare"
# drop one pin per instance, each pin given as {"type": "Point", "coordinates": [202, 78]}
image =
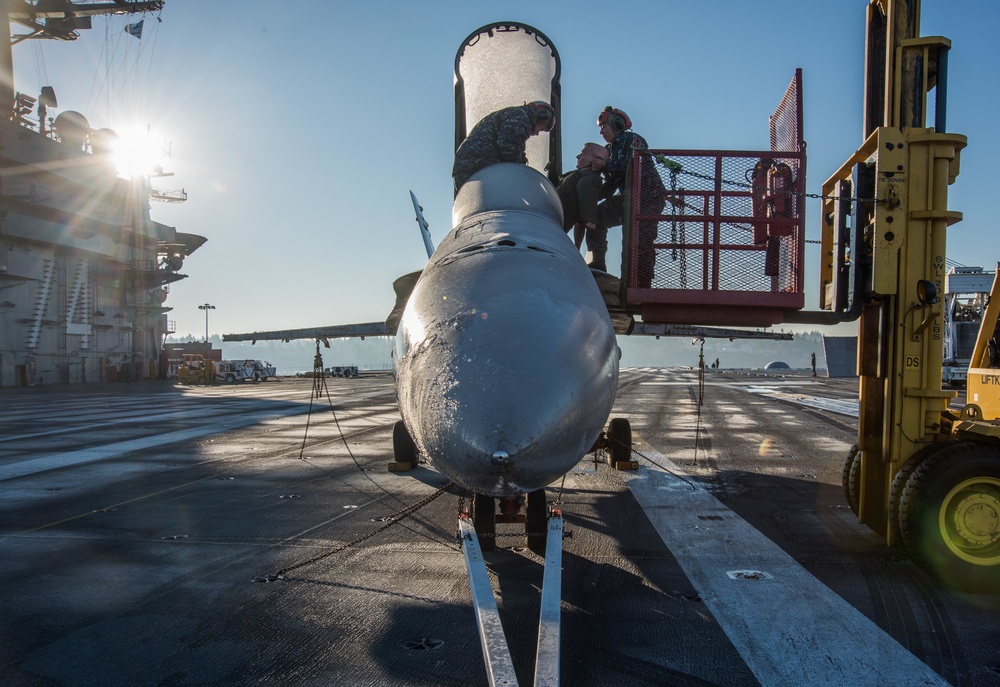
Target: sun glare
{"type": "Point", "coordinates": [137, 152]}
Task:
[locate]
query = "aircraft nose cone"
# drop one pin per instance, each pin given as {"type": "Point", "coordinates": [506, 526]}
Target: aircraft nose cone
{"type": "Point", "coordinates": [506, 360]}
{"type": "Point", "coordinates": [511, 416]}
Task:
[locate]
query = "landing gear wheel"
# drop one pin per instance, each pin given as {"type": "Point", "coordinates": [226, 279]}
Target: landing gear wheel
{"type": "Point", "coordinates": [949, 514]}
{"type": "Point", "coordinates": [536, 521]}
{"type": "Point", "coordinates": [619, 440]}
{"type": "Point", "coordinates": [851, 478]}
{"type": "Point", "coordinates": [484, 519]}
{"type": "Point", "coordinates": [403, 448]}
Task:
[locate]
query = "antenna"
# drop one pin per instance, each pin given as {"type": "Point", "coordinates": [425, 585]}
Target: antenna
{"type": "Point", "coordinates": [424, 227]}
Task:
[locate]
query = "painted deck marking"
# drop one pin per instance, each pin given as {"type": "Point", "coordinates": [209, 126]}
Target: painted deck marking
{"type": "Point", "coordinates": [90, 455]}
{"type": "Point", "coordinates": [790, 629]}
{"type": "Point", "coordinates": [841, 407]}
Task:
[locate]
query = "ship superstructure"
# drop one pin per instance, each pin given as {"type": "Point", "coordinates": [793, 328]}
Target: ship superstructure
{"type": "Point", "coordinates": [84, 270]}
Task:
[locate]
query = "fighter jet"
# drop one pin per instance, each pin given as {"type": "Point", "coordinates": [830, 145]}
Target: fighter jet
{"type": "Point", "coordinates": [505, 356]}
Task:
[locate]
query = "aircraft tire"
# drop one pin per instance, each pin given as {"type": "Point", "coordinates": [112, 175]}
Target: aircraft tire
{"type": "Point", "coordinates": [536, 521]}
{"type": "Point", "coordinates": [484, 511]}
{"type": "Point", "coordinates": [403, 448]}
{"type": "Point", "coordinates": [950, 516]}
{"type": "Point", "coordinates": [619, 440]}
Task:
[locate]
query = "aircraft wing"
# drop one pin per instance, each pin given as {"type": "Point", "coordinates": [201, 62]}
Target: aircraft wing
{"type": "Point", "coordinates": [610, 286]}
{"type": "Point", "coordinates": [343, 331]}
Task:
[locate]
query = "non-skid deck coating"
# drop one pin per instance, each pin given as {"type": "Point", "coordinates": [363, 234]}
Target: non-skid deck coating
{"type": "Point", "coordinates": [135, 517]}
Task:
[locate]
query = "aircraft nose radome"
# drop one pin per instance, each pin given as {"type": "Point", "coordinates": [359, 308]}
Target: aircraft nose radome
{"type": "Point", "coordinates": [508, 418]}
{"type": "Point", "coordinates": [506, 360]}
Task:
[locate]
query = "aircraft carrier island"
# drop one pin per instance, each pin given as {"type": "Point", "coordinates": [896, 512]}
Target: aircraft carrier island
{"type": "Point", "coordinates": [85, 272]}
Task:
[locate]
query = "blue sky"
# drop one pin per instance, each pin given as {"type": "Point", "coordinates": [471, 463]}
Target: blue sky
{"type": "Point", "coordinates": [298, 134]}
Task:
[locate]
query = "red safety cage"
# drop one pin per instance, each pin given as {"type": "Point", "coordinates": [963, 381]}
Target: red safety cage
{"type": "Point", "coordinates": [718, 237]}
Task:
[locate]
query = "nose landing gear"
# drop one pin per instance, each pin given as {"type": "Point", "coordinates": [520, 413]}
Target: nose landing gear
{"type": "Point", "coordinates": [534, 517]}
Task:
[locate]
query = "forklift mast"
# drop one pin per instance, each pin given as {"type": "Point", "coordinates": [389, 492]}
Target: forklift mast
{"type": "Point", "coordinates": [890, 263]}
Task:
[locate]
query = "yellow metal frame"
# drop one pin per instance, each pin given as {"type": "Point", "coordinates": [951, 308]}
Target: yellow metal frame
{"type": "Point", "coordinates": [900, 344]}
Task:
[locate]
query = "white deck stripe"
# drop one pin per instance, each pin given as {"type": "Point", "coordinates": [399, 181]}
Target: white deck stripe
{"type": "Point", "coordinates": [91, 455]}
{"type": "Point", "coordinates": [235, 404]}
{"type": "Point", "coordinates": [841, 407]}
{"type": "Point", "coordinates": [789, 628]}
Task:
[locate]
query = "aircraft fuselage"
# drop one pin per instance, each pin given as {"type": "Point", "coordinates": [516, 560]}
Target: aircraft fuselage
{"type": "Point", "coordinates": [506, 361]}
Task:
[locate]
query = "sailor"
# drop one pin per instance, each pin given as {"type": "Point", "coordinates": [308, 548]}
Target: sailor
{"type": "Point", "coordinates": [580, 190]}
{"type": "Point", "coordinates": [501, 136]}
{"type": "Point", "coordinates": [616, 129]}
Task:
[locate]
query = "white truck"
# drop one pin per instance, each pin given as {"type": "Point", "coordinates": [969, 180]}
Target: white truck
{"type": "Point", "coordinates": [232, 371]}
{"type": "Point", "coordinates": [261, 370]}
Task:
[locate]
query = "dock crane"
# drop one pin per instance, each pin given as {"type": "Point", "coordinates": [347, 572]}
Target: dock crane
{"type": "Point", "coordinates": [922, 475]}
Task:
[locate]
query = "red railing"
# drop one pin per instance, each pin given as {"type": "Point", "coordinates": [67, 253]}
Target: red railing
{"type": "Point", "coordinates": [718, 237]}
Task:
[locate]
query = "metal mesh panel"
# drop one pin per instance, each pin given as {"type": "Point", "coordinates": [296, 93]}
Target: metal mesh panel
{"type": "Point", "coordinates": [786, 122]}
{"type": "Point", "coordinates": [730, 228]}
{"type": "Point", "coordinates": [705, 238]}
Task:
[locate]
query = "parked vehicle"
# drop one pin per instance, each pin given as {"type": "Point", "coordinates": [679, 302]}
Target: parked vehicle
{"type": "Point", "coordinates": [262, 370]}
{"type": "Point", "coordinates": [232, 371]}
{"type": "Point", "coordinates": [196, 370]}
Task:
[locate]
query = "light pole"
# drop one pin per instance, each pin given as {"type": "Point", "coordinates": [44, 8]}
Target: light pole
{"type": "Point", "coordinates": [206, 308]}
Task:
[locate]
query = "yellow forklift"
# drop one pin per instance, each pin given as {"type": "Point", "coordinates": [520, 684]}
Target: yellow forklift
{"type": "Point", "coordinates": [196, 370]}
{"type": "Point", "coordinates": [922, 475]}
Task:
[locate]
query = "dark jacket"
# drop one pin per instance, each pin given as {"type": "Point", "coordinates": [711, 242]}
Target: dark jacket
{"type": "Point", "coordinates": [579, 192]}
{"type": "Point", "coordinates": [619, 159]}
{"type": "Point", "coordinates": [498, 137]}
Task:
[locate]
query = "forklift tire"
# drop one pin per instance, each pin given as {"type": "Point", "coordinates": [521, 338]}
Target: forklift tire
{"type": "Point", "coordinates": [899, 481]}
{"type": "Point", "coordinates": [230, 378]}
{"type": "Point", "coordinates": [949, 514]}
{"type": "Point", "coordinates": [403, 448]}
{"type": "Point", "coordinates": [201, 380]}
{"type": "Point", "coordinates": [536, 521]}
{"type": "Point", "coordinates": [484, 519]}
{"type": "Point", "coordinates": [619, 440]}
{"type": "Point", "coordinates": [851, 478]}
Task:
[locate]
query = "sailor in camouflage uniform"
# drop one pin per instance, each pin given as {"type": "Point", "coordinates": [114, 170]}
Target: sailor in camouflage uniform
{"type": "Point", "coordinates": [501, 136]}
{"type": "Point", "coordinates": [616, 128]}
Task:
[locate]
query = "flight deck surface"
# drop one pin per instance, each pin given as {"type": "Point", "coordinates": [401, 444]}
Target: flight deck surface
{"type": "Point", "coordinates": [135, 519]}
